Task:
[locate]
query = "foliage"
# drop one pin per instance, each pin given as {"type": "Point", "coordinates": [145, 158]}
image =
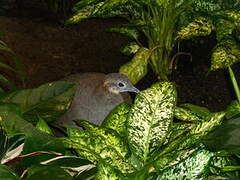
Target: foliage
{"type": "Point", "coordinates": [139, 141]}
{"type": "Point", "coordinates": [165, 24]}
{"type": "Point", "coordinates": [15, 66]}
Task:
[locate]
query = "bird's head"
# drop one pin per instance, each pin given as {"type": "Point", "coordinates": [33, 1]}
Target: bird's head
{"type": "Point", "coordinates": [117, 83]}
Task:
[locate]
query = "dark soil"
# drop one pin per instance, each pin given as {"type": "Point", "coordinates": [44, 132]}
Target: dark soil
{"type": "Point", "coordinates": [52, 51]}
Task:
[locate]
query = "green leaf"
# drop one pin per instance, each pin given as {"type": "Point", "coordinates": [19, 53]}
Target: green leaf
{"type": "Point", "coordinates": [225, 137]}
{"type": "Point", "coordinates": [150, 118]}
{"type": "Point", "coordinates": [130, 32]}
{"type": "Point", "coordinates": [88, 174]}
{"type": "Point", "coordinates": [106, 172]}
{"type": "Point", "coordinates": [117, 119]}
{"type": "Point", "coordinates": [83, 3]}
{"type": "Point", "coordinates": [48, 101]}
{"type": "Point", "coordinates": [137, 68]}
{"type": "Point", "coordinates": [12, 122]}
{"type": "Point", "coordinates": [129, 49]}
{"type": "Point", "coordinates": [43, 126]}
{"type": "Point", "coordinates": [182, 144]}
{"type": "Point", "coordinates": [110, 7]}
{"type": "Point", "coordinates": [45, 146]}
{"type": "Point", "coordinates": [68, 162]}
{"type": "Point", "coordinates": [233, 109]}
{"type": "Point", "coordinates": [194, 167]}
{"type": "Point", "coordinates": [48, 172]}
{"type": "Point", "coordinates": [190, 112]}
{"type": "Point", "coordinates": [199, 27]}
{"type": "Point", "coordinates": [84, 13]}
{"type": "Point", "coordinates": [226, 53]}
{"type": "Point", "coordinates": [94, 148]}
{"type": "Point", "coordinates": [224, 29]}
{"type": "Point", "coordinates": [110, 137]}
{"type": "Point", "coordinates": [7, 174]}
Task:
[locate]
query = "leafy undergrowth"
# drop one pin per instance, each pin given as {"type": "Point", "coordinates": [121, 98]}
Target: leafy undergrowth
{"type": "Point", "coordinates": [138, 141]}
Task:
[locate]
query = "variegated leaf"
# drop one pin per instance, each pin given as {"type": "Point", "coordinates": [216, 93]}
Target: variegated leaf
{"type": "Point", "coordinates": [199, 27]}
{"type": "Point", "coordinates": [107, 171]}
{"type": "Point", "coordinates": [111, 138]}
{"type": "Point", "coordinates": [84, 13]}
{"type": "Point", "coordinates": [94, 148]}
{"type": "Point", "coordinates": [84, 3]}
{"type": "Point", "coordinates": [111, 6]}
{"type": "Point", "coordinates": [130, 32]}
{"type": "Point", "coordinates": [150, 118]}
{"type": "Point", "coordinates": [117, 119]}
{"type": "Point", "coordinates": [190, 112]}
{"type": "Point", "coordinates": [205, 127]}
{"type": "Point", "coordinates": [129, 49]}
{"type": "Point", "coordinates": [224, 29]}
{"type": "Point", "coordinates": [137, 68]}
{"type": "Point", "coordinates": [193, 167]}
{"type": "Point", "coordinates": [234, 17]}
{"type": "Point", "coordinates": [233, 109]}
{"type": "Point", "coordinates": [226, 53]}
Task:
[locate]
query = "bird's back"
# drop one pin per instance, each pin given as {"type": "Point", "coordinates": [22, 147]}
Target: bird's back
{"type": "Point", "coordinates": [92, 101]}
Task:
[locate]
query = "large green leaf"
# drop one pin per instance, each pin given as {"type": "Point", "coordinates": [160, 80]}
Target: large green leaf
{"type": "Point", "coordinates": [111, 137]}
{"type": "Point", "coordinates": [137, 68]}
{"type": "Point", "coordinates": [129, 49]}
{"type": "Point", "coordinates": [94, 148]}
{"type": "Point", "coordinates": [107, 171]}
{"type": "Point", "coordinates": [130, 32]}
{"type": "Point", "coordinates": [182, 144]}
{"type": "Point", "coordinates": [225, 137]}
{"type": "Point", "coordinates": [199, 27]}
{"type": "Point", "coordinates": [48, 101]}
{"type": "Point", "coordinates": [12, 122]}
{"type": "Point", "coordinates": [150, 118]}
{"type": "Point", "coordinates": [48, 172]}
{"type": "Point", "coordinates": [194, 167]}
{"type": "Point", "coordinates": [7, 174]}
{"type": "Point", "coordinates": [226, 53]}
{"type": "Point", "coordinates": [233, 109]}
{"type": "Point", "coordinates": [117, 119]}
{"type": "Point", "coordinates": [84, 13]}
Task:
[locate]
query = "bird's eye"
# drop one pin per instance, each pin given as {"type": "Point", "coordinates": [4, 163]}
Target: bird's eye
{"type": "Point", "coordinates": [120, 84]}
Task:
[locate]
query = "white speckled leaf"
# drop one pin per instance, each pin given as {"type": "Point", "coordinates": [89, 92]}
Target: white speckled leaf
{"type": "Point", "coordinates": [137, 68]}
{"type": "Point", "coordinates": [150, 117]}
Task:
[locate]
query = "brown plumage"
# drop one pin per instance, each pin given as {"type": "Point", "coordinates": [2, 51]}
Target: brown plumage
{"type": "Point", "coordinates": [96, 95]}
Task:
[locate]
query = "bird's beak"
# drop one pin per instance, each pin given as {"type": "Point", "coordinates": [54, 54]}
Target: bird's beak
{"type": "Point", "coordinates": [133, 89]}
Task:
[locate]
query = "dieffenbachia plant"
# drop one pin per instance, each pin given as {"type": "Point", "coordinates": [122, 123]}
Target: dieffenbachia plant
{"type": "Point", "coordinates": [165, 23]}
{"type": "Point", "coordinates": [141, 141]}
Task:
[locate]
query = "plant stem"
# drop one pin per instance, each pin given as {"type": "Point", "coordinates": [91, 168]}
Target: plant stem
{"type": "Point", "coordinates": [234, 82]}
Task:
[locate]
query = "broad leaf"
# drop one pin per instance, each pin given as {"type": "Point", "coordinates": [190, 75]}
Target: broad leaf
{"type": "Point", "coordinates": [150, 118]}
{"type": "Point", "coordinates": [194, 167]}
{"type": "Point", "coordinates": [7, 174]}
{"type": "Point", "coordinates": [130, 32]}
{"type": "Point", "coordinates": [137, 68]}
{"type": "Point", "coordinates": [48, 172]}
{"type": "Point", "coordinates": [43, 126]}
{"type": "Point", "coordinates": [129, 49]}
{"type": "Point", "coordinates": [226, 53]}
{"type": "Point", "coordinates": [110, 137]}
{"type": "Point", "coordinates": [48, 101]}
{"type": "Point", "coordinates": [225, 137]}
{"type": "Point", "coordinates": [94, 148]}
{"type": "Point", "coordinates": [193, 113]}
{"type": "Point", "coordinates": [233, 109]}
{"type": "Point", "coordinates": [107, 171]}
{"type": "Point", "coordinates": [199, 27]}
{"type": "Point", "coordinates": [117, 119]}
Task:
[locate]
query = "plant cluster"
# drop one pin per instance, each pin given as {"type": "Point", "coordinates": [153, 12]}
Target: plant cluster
{"type": "Point", "coordinates": [154, 138]}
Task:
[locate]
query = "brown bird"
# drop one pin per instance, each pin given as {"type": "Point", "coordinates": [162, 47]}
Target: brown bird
{"type": "Point", "coordinates": [96, 95]}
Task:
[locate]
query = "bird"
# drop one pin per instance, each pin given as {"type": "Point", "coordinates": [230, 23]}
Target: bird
{"type": "Point", "coordinates": [97, 94]}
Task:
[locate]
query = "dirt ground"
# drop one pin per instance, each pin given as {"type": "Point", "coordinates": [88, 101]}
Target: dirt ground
{"type": "Point", "coordinates": [51, 51]}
